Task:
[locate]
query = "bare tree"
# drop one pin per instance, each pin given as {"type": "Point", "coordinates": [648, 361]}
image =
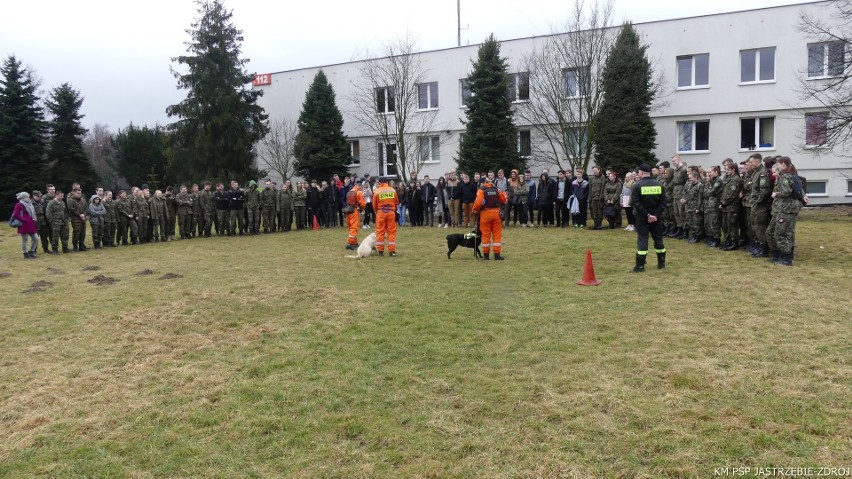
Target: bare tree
{"type": "Point", "coordinates": [101, 152]}
{"type": "Point", "coordinates": [565, 89]}
{"type": "Point", "coordinates": [276, 148]}
{"type": "Point", "coordinates": [825, 87]}
{"type": "Point", "coordinates": [394, 100]}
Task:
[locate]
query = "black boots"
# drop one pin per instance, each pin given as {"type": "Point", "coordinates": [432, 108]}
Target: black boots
{"type": "Point", "coordinates": [485, 256]}
{"type": "Point", "coordinates": [640, 264]}
{"type": "Point", "coordinates": [785, 259]}
{"type": "Point", "coordinates": [661, 261]}
{"type": "Point", "coordinates": [497, 257]}
{"type": "Point", "coordinates": [761, 251]}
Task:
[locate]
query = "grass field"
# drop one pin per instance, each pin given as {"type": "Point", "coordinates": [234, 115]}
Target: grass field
{"type": "Point", "coordinates": [274, 356]}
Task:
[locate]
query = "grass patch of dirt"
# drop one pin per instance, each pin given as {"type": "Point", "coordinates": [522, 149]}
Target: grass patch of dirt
{"type": "Point", "coordinates": [5, 274]}
{"type": "Point", "coordinates": [38, 287]}
{"type": "Point", "coordinates": [144, 272]}
{"type": "Point", "coordinates": [102, 280]}
{"type": "Point", "coordinates": [92, 268]}
{"type": "Point", "coordinates": [170, 276]}
{"type": "Point", "coordinates": [55, 271]}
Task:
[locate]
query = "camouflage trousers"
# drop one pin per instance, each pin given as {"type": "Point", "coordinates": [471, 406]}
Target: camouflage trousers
{"type": "Point", "coordinates": [59, 231]}
{"type": "Point", "coordinates": [781, 233]}
{"type": "Point", "coordinates": [185, 224]}
{"type": "Point", "coordinates": [44, 233]}
{"type": "Point", "coordinates": [730, 225]}
{"type": "Point", "coordinates": [597, 211]}
{"type": "Point", "coordinates": [253, 218]}
{"type": "Point", "coordinates": [713, 222]}
{"type": "Point", "coordinates": [695, 220]}
{"type": "Point", "coordinates": [109, 233]}
{"type": "Point", "coordinates": [285, 219]}
{"type": "Point", "coordinates": [237, 219]}
{"type": "Point", "coordinates": [78, 233]}
{"type": "Point", "coordinates": [679, 209]}
{"type": "Point", "coordinates": [205, 223]}
{"type": "Point", "coordinates": [759, 220]}
{"type": "Point", "coordinates": [222, 222]}
{"type": "Point", "coordinates": [159, 231]}
{"type": "Point", "coordinates": [268, 219]}
{"type": "Point", "coordinates": [97, 234]}
{"type": "Point", "coordinates": [141, 228]}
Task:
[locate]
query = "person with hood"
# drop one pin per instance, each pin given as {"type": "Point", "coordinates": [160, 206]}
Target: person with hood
{"type": "Point", "coordinates": [26, 214]}
{"type": "Point", "coordinates": [253, 208]}
{"type": "Point", "coordinates": [97, 213]}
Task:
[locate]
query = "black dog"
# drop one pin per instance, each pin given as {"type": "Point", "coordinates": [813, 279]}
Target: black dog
{"type": "Point", "coordinates": [470, 240]}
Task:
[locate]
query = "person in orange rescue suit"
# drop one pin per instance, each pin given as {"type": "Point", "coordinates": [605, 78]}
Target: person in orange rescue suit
{"type": "Point", "coordinates": [385, 201]}
{"type": "Point", "coordinates": [488, 203]}
{"type": "Point", "coordinates": [355, 199]}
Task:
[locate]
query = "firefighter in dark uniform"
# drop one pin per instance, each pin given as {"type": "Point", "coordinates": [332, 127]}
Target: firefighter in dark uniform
{"type": "Point", "coordinates": [649, 203]}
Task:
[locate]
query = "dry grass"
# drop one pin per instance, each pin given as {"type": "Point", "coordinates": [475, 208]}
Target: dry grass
{"type": "Point", "coordinates": [274, 356]}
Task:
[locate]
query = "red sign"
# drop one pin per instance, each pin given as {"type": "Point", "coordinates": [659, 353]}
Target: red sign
{"type": "Point", "coordinates": [262, 79]}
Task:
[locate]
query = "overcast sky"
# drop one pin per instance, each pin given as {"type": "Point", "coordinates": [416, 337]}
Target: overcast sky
{"type": "Point", "coordinates": [118, 53]}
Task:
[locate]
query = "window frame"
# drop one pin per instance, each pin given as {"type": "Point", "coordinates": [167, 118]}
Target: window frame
{"type": "Point", "coordinates": [692, 151]}
{"type": "Point", "coordinates": [520, 136]}
{"type": "Point", "coordinates": [464, 84]}
{"type": "Point", "coordinates": [388, 99]}
{"type": "Point", "coordinates": [430, 106]}
{"type": "Point", "coordinates": [757, 64]}
{"type": "Point", "coordinates": [816, 114]}
{"type": "Point", "coordinates": [848, 187]}
{"type": "Point", "coordinates": [355, 159]}
{"type": "Point", "coordinates": [757, 128]}
{"type": "Point", "coordinates": [826, 60]}
{"type": "Point", "coordinates": [381, 149]}
{"type": "Point", "coordinates": [582, 82]}
{"type": "Point", "coordinates": [434, 146]}
{"type": "Point", "coordinates": [515, 87]}
{"type": "Point", "coordinates": [807, 188]}
{"type": "Point", "coordinates": [692, 85]}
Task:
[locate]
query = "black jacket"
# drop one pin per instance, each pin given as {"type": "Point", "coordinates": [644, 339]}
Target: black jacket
{"type": "Point", "coordinates": [222, 200]}
{"type": "Point", "coordinates": [313, 201]}
{"type": "Point", "coordinates": [648, 198]}
{"type": "Point", "coordinates": [428, 192]}
{"type": "Point", "coordinates": [237, 199]}
{"type": "Point", "coordinates": [466, 192]}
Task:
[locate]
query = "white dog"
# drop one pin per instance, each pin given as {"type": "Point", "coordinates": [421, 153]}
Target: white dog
{"type": "Point", "coordinates": [366, 247]}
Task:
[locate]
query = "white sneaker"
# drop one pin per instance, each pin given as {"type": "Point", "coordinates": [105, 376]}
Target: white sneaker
{"type": "Point", "coordinates": [445, 226]}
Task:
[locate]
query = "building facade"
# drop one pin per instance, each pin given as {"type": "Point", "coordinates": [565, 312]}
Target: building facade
{"type": "Point", "coordinates": [731, 88]}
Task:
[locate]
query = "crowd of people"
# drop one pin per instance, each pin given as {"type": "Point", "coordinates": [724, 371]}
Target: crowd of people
{"type": "Point", "coordinates": [752, 205]}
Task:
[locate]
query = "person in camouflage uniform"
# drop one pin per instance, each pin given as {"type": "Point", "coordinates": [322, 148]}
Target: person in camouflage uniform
{"type": "Point", "coordinates": [761, 202]}
{"type": "Point", "coordinates": [694, 191]}
{"type": "Point", "coordinates": [185, 211]}
{"type": "Point", "coordinates": [146, 232]}
{"type": "Point", "coordinates": [668, 216]}
{"type": "Point", "coordinates": [124, 212]}
{"type": "Point", "coordinates": [110, 220]}
{"type": "Point", "coordinates": [267, 207]}
{"type": "Point", "coordinates": [141, 214]}
{"type": "Point", "coordinates": [730, 208]}
{"type": "Point", "coordinates": [159, 216]}
{"type": "Point", "coordinates": [300, 197]}
{"type": "Point", "coordinates": [787, 201]}
{"type": "Point", "coordinates": [284, 206]}
{"type": "Point", "coordinates": [195, 220]}
{"type": "Point", "coordinates": [77, 208]}
{"type": "Point", "coordinates": [57, 215]}
{"type": "Point", "coordinates": [171, 206]}
{"type": "Point", "coordinates": [253, 208]}
{"type": "Point", "coordinates": [612, 197]}
{"type": "Point", "coordinates": [41, 219]}
{"type": "Point", "coordinates": [597, 184]}
{"type": "Point", "coordinates": [678, 185]}
{"type": "Point", "coordinates": [207, 210]}
{"type": "Point", "coordinates": [712, 200]}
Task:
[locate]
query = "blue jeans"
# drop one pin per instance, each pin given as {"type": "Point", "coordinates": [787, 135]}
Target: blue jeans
{"type": "Point", "coordinates": [402, 210]}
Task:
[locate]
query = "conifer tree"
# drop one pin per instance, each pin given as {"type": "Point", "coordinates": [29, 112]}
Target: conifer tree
{"type": "Point", "coordinates": [320, 145]}
{"type": "Point", "coordinates": [219, 121]}
{"type": "Point", "coordinates": [68, 162]}
{"type": "Point", "coordinates": [22, 133]}
{"type": "Point", "coordinates": [140, 154]}
{"type": "Point", "coordinates": [625, 136]}
{"type": "Point", "coordinates": [490, 137]}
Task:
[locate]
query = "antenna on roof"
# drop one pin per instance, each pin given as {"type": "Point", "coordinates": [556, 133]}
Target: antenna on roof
{"type": "Point", "coordinates": [458, 23]}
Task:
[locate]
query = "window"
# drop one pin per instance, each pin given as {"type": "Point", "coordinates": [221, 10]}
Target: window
{"type": "Point", "coordinates": [354, 152]}
{"type": "Point", "coordinates": [816, 129]}
{"type": "Point", "coordinates": [385, 100]}
{"type": "Point", "coordinates": [757, 65]}
{"type": "Point", "coordinates": [848, 187]}
{"type": "Point", "coordinates": [464, 86]}
{"type": "Point", "coordinates": [577, 82]}
{"type": "Point", "coordinates": [816, 188]}
{"type": "Point", "coordinates": [430, 149]}
{"type": "Point", "coordinates": [427, 96]}
{"type": "Point", "coordinates": [826, 59]}
{"type": "Point", "coordinates": [387, 159]}
{"type": "Point", "coordinates": [757, 133]}
{"type": "Point", "coordinates": [693, 136]}
{"type": "Point", "coordinates": [519, 87]}
{"type": "Point", "coordinates": [576, 141]}
{"type": "Point", "coordinates": [524, 143]}
{"type": "Point", "coordinates": [693, 71]}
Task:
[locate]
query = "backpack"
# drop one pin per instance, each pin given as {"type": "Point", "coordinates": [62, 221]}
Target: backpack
{"type": "Point", "coordinates": [798, 191]}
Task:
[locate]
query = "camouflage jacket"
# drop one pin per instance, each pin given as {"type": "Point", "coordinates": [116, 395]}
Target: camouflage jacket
{"type": "Point", "coordinates": [77, 207]}
{"type": "Point", "coordinates": [731, 193]}
{"type": "Point", "coordinates": [761, 188]}
{"type": "Point", "coordinates": [252, 198]}
{"type": "Point", "coordinates": [184, 203]}
{"type": "Point", "coordinates": [111, 211]}
{"type": "Point", "coordinates": [57, 212]}
{"type": "Point", "coordinates": [205, 201]}
{"type": "Point", "coordinates": [124, 208]}
{"type": "Point", "coordinates": [596, 187]}
{"type": "Point", "coordinates": [267, 198]}
{"type": "Point", "coordinates": [712, 194]}
{"type": "Point", "coordinates": [140, 207]}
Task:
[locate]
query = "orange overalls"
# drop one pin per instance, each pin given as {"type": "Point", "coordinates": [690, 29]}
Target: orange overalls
{"type": "Point", "coordinates": [355, 198]}
{"type": "Point", "coordinates": [384, 203]}
{"type": "Point", "coordinates": [487, 204]}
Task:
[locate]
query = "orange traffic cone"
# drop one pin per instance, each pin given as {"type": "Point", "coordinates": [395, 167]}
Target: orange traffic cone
{"type": "Point", "coordinates": [315, 227]}
{"type": "Point", "coordinates": [589, 272]}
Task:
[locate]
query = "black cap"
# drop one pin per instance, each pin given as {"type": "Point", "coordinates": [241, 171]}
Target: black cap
{"type": "Point", "coordinates": [144, 186]}
{"type": "Point", "coordinates": [666, 164]}
{"type": "Point", "coordinates": [645, 167]}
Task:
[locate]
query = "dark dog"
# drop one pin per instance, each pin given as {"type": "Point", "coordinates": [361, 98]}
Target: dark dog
{"type": "Point", "coordinates": [470, 240]}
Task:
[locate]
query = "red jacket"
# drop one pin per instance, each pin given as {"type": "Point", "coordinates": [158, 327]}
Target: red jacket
{"type": "Point", "coordinates": [28, 225]}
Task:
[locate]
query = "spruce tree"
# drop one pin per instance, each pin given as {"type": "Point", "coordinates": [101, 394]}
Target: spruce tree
{"type": "Point", "coordinates": [625, 136]}
{"type": "Point", "coordinates": [69, 163]}
{"type": "Point", "coordinates": [22, 133]}
{"type": "Point", "coordinates": [219, 121]}
{"type": "Point", "coordinates": [320, 145]}
{"type": "Point", "coordinates": [489, 142]}
{"type": "Point", "coordinates": [140, 154]}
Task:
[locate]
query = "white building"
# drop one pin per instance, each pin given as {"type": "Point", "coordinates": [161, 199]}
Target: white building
{"type": "Point", "coordinates": [732, 82]}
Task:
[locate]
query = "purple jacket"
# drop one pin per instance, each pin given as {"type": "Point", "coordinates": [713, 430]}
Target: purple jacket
{"type": "Point", "coordinates": [29, 224]}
